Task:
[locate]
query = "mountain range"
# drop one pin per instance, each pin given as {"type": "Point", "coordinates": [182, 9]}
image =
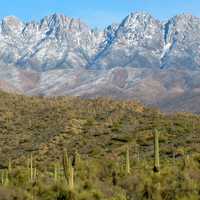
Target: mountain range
{"type": "Point", "coordinates": [142, 58]}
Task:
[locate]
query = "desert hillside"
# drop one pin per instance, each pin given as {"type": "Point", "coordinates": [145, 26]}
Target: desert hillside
{"type": "Point", "coordinates": [107, 136]}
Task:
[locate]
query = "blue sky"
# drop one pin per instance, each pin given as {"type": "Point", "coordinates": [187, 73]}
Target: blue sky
{"type": "Point", "coordinates": [97, 13]}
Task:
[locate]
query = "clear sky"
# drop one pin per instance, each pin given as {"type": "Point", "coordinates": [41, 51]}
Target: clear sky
{"type": "Point", "coordinates": [97, 13]}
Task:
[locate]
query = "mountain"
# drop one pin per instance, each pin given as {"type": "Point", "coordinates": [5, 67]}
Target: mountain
{"type": "Point", "coordinates": [140, 58]}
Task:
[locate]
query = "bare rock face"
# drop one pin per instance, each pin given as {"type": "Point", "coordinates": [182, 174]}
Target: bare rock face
{"type": "Point", "coordinates": [182, 42]}
{"type": "Point", "coordinates": [137, 42]}
{"type": "Point", "coordinates": [140, 58]}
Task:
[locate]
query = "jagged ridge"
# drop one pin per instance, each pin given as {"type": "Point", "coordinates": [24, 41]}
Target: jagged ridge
{"type": "Point", "coordinates": [141, 57]}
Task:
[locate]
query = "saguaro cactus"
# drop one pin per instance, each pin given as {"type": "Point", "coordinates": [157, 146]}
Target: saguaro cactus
{"type": "Point", "coordinates": [4, 178]}
{"type": "Point", "coordinates": [68, 171]}
{"type": "Point", "coordinates": [76, 159]}
{"type": "Point", "coordinates": [55, 172]}
{"type": "Point", "coordinates": [127, 161]}
{"type": "Point", "coordinates": [35, 174]}
{"type": "Point", "coordinates": [156, 152]}
{"type": "Point", "coordinates": [66, 165]}
{"type": "Point", "coordinates": [31, 172]}
{"type": "Point", "coordinates": [9, 166]}
{"type": "Point", "coordinates": [31, 167]}
{"type": "Point", "coordinates": [71, 177]}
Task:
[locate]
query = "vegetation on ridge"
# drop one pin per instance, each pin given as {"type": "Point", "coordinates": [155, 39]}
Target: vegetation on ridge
{"type": "Point", "coordinates": [110, 150]}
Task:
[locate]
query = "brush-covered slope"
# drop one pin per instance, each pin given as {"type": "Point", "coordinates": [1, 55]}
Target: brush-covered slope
{"type": "Point", "coordinates": [99, 130]}
{"type": "Point", "coordinates": [46, 126]}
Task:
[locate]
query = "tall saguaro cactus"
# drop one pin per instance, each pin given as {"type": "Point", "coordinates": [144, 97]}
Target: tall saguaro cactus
{"type": "Point", "coordinates": [31, 168]}
{"type": "Point", "coordinates": [4, 177]}
{"type": "Point", "coordinates": [56, 172]}
{"type": "Point", "coordinates": [66, 165]}
{"type": "Point", "coordinates": [127, 161]}
{"type": "Point", "coordinates": [71, 177]}
{"type": "Point", "coordinates": [32, 172]}
{"type": "Point", "coordinates": [156, 152]}
{"type": "Point", "coordinates": [9, 165]}
{"type": "Point", "coordinates": [68, 171]}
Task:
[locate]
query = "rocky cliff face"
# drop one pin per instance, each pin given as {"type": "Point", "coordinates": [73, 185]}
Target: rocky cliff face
{"type": "Point", "coordinates": [137, 42]}
{"type": "Point", "coordinates": [182, 42]}
{"type": "Point", "coordinates": [141, 58]}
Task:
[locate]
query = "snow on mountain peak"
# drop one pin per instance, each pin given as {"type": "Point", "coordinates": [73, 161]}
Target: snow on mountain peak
{"type": "Point", "coordinates": [133, 19]}
{"type": "Point", "coordinates": [139, 24]}
{"type": "Point", "coordinates": [140, 40]}
{"type": "Point", "coordinates": [11, 24]}
{"type": "Point", "coordinates": [139, 57]}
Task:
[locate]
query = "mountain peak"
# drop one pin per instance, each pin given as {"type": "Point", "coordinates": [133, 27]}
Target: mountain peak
{"type": "Point", "coordinates": [135, 19]}
{"type": "Point", "coordinates": [62, 22]}
{"type": "Point", "coordinates": [11, 24]}
{"type": "Point", "coordinates": [11, 19]}
{"type": "Point", "coordinates": [55, 20]}
{"type": "Point", "coordinates": [184, 18]}
{"type": "Point", "coordinates": [139, 14]}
